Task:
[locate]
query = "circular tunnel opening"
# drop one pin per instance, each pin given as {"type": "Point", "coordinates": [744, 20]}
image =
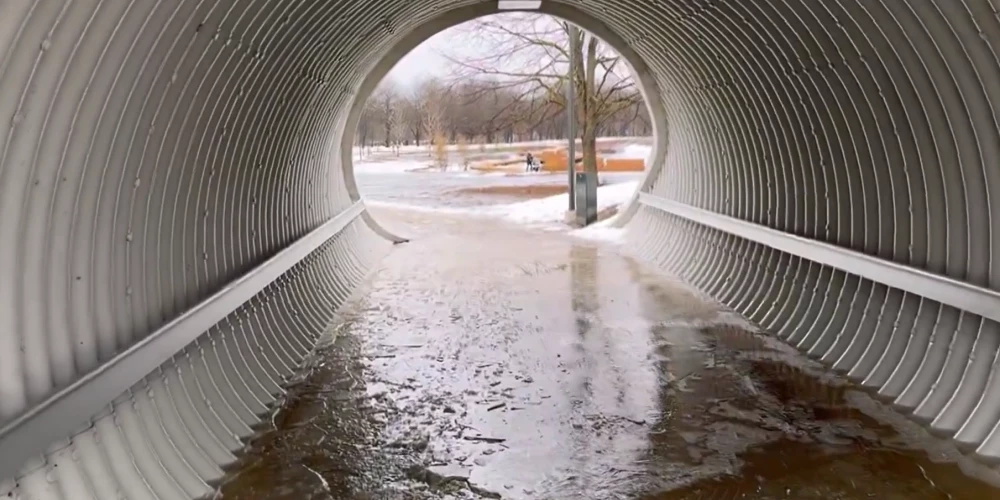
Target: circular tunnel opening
{"type": "Point", "coordinates": [473, 120]}
{"type": "Point", "coordinates": [824, 168]}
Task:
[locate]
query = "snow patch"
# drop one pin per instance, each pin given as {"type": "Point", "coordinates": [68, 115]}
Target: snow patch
{"type": "Point", "coordinates": [388, 167]}
{"type": "Point", "coordinates": [427, 209]}
{"type": "Point", "coordinates": [638, 151]}
{"type": "Point", "coordinates": [408, 166]}
{"type": "Point", "coordinates": [545, 211]}
{"type": "Point", "coordinates": [633, 152]}
{"type": "Point", "coordinates": [602, 231]}
{"type": "Point", "coordinates": [548, 213]}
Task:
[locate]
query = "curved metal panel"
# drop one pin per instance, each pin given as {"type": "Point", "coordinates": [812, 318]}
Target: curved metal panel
{"type": "Point", "coordinates": [829, 175]}
{"type": "Point", "coordinates": [152, 152]}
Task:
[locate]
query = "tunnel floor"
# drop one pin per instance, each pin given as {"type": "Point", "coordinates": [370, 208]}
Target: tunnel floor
{"type": "Point", "coordinates": [488, 361]}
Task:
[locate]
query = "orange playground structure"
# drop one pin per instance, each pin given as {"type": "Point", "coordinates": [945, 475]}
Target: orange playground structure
{"type": "Point", "coordinates": [554, 160]}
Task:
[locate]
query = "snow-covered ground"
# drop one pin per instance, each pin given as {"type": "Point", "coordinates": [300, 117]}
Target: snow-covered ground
{"type": "Point", "coordinates": [602, 231]}
{"type": "Point", "coordinates": [549, 213]}
{"type": "Point", "coordinates": [488, 147]}
{"type": "Point", "coordinates": [545, 211]}
{"type": "Point", "coordinates": [633, 151]}
{"type": "Point", "coordinates": [403, 165]}
{"type": "Point", "coordinates": [411, 183]}
{"type": "Point", "coordinates": [389, 167]}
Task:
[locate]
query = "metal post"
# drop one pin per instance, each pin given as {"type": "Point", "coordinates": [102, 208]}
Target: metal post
{"type": "Point", "coordinates": [574, 56]}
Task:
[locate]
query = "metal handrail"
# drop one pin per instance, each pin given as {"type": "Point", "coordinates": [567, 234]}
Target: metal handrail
{"type": "Point", "coordinates": [69, 409]}
{"type": "Point", "coordinates": [959, 294]}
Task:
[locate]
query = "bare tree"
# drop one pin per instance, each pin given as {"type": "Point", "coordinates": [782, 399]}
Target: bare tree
{"type": "Point", "coordinates": [527, 56]}
{"type": "Point", "coordinates": [462, 149]}
{"type": "Point", "coordinates": [385, 101]}
{"type": "Point", "coordinates": [367, 124]}
{"type": "Point", "coordinates": [433, 112]}
{"type": "Point", "coordinates": [413, 117]}
{"type": "Point", "coordinates": [396, 128]}
{"type": "Point", "coordinates": [486, 102]}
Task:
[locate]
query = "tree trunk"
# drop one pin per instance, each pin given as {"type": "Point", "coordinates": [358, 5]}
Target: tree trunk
{"type": "Point", "coordinates": [589, 140]}
{"type": "Point", "coordinates": [589, 111]}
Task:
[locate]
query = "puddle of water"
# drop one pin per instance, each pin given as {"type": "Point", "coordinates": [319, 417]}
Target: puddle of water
{"type": "Point", "coordinates": [770, 425]}
{"type": "Point", "coordinates": [827, 449]}
{"type": "Point", "coordinates": [487, 362]}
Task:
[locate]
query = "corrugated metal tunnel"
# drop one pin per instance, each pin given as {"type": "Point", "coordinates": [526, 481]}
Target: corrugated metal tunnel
{"type": "Point", "coordinates": [179, 219]}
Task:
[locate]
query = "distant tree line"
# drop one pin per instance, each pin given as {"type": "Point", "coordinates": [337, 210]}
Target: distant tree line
{"type": "Point", "coordinates": [481, 111]}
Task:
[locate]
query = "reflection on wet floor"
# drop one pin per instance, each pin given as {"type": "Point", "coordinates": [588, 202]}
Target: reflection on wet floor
{"type": "Point", "coordinates": [490, 362]}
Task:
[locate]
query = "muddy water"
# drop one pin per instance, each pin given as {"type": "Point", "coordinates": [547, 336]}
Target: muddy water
{"type": "Point", "coordinates": [488, 362]}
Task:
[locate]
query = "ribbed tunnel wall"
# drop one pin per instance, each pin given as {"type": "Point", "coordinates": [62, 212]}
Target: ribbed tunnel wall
{"type": "Point", "coordinates": [154, 152]}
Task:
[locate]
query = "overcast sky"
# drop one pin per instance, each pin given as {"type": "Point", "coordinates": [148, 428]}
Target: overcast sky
{"type": "Point", "coordinates": [425, 60]}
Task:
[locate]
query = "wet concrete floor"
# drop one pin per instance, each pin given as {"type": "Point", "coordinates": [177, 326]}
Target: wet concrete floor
{"type": "Point", "coordinates": [485, 361]}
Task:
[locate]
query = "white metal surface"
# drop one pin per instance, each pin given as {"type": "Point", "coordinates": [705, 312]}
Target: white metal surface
{"type": "Point", "coordinates": [153, 151]}
{"type": "Point", "coordinates": [62, 413]}
{"type": "Point", "coordinates": [958, 294]}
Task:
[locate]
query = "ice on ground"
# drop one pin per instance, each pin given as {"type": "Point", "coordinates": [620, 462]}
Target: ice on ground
{"type": "Point", "coordinates": [404, 166]}
{"type": "Point", "coordinates": [388, 167]}
{"type": "Point", "coordinates": [467, 211]}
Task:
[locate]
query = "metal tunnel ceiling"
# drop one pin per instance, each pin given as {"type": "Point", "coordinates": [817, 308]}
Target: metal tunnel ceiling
{"type": "Point", "coordinates": [179, 220]}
